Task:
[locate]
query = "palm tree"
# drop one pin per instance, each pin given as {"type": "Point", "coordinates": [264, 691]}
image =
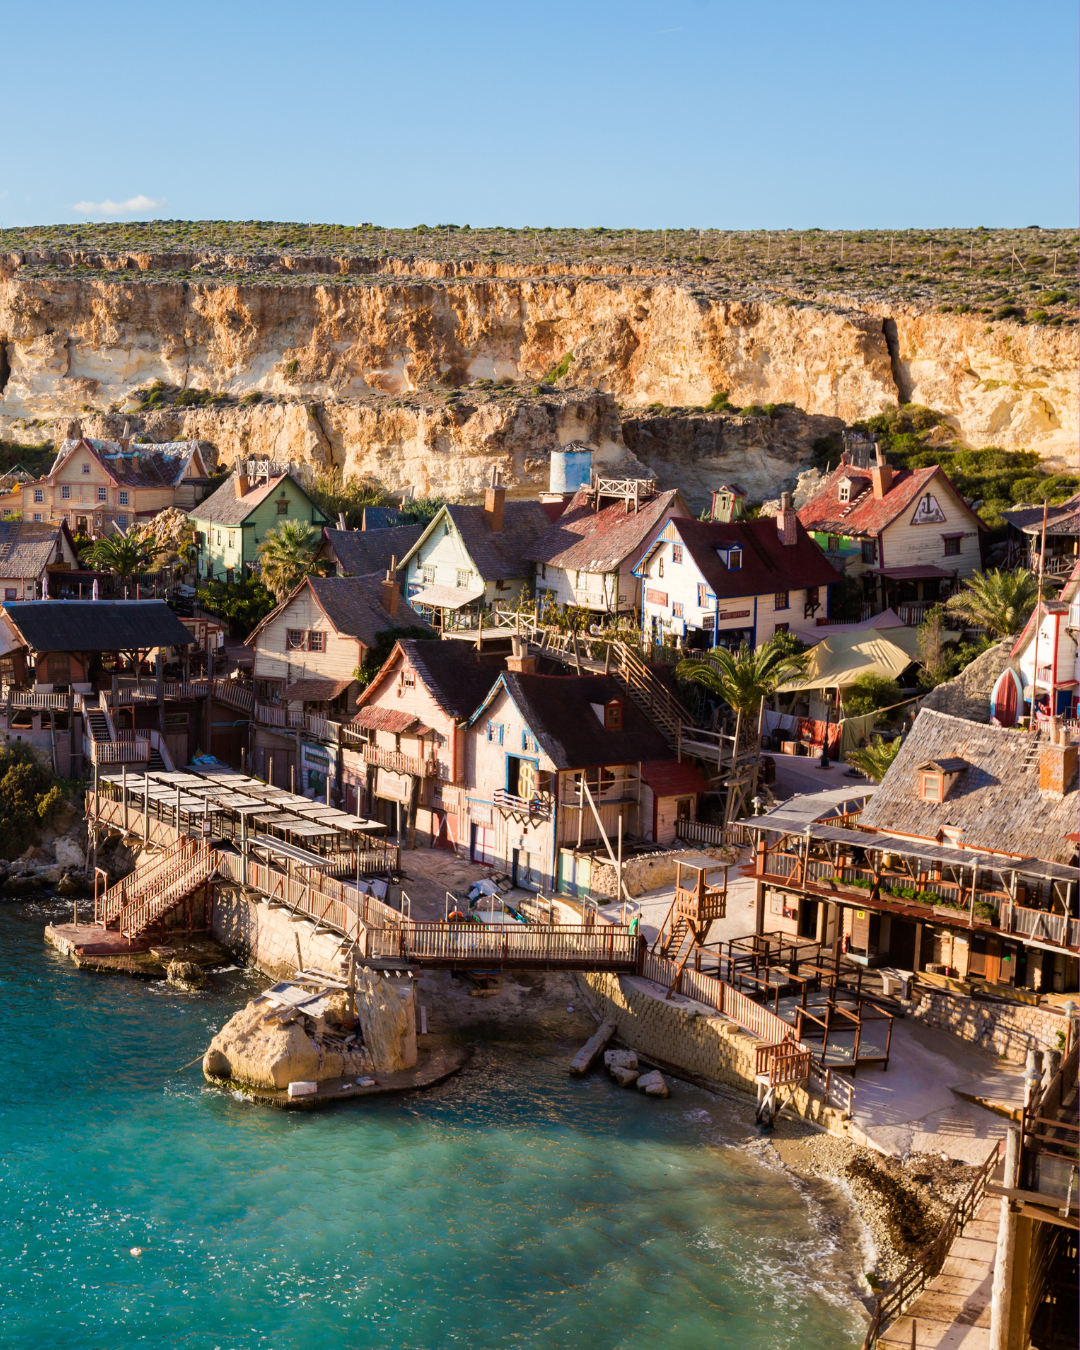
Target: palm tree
{"type": "Point", "coordinates": [874, 759]}
{"type": "Point", "coordinates": [1000, 602]}
{"type": "Point", "coordinates": [743, 678]}
{"type": "Point", "coordinates": [287, 556]}
{"type": "Point", "coordinates": [125, 552]}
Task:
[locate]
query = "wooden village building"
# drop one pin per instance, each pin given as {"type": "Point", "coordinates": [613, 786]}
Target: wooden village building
{"type": "Point", "coordinates": [1024, 538]}
{"type": "Point", "coordinates": [233, 521]}
{"type": "Point", "coordinates": [907, 534]}
{"type": "Point", "coordinates": [962, 866]}
{"type": "Point", "coordinates": [1043, 674]}
{"type": "Point", "coordinates": [721, 583]}
{"type": "Point", "coordinates": [358, 553]}
{"type": "Point", "coordinates": [97, 487]}
{"type": "Point", "coordinates": [35, 558]}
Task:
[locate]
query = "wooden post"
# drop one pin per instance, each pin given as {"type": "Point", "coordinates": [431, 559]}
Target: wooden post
{"type": "Point", "coordinates": [1038, 626]}
{"type": "Point", "coordinates": [1001, 1291]}
{"type": "Point", "coordinates": [292, 778]}
{"type": "Point", "coordinates": [146, 807]}
{"type": "Point", "coordinates": [178, 808]}
{"type": "Point", "coordinates": [299, 956]}
{"type": "Point", "coordinates": [270, 772]}
{"type": "Point", "coordinates": [123, 792]}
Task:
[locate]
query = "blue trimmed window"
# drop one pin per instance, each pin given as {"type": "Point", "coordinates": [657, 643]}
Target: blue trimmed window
{"type": "Point", "coordinates": [495, 733]}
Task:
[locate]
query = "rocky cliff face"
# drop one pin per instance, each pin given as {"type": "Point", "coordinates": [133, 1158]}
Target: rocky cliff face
{"type": "Point", "coordinates": [348, 346]}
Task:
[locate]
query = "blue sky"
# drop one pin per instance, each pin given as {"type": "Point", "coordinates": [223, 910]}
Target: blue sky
{"type": "Point", "coordinates": [690, 113]}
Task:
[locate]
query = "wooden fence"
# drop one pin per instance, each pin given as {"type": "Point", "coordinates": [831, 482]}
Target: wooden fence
{"type": "Point", "coordinates": [713, 836]}
{"type": "Point", "coordinates": [928, 1263]}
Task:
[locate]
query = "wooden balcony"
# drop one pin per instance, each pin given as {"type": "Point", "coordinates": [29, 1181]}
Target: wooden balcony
{"type": "Point", "coordinates": [536, 807]}
{"type": "Point", "coordinates": [695, 900]}
{"type": "Point", "coordinates": [394, 759]}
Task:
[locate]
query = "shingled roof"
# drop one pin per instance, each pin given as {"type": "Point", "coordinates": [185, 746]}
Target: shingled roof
{"type": "Point", "coordinates": [26, 547]}
{"type": "Point", "coordinates": [361, 552]}
{"type": "Point", "coordinates": [600, 541]}
{"type": "Point", "coordinates": [498, 555]}
{"type": "Point", "coordinates": [768, 564]}
{"type": "Point", "coordinates": [97, 625]}
{"type": "Point", "coordinates": [996, 803]}
{"type": "Point", "coordinates": [136, 464]}
{"type": "Point", "coordinates": [224, 507]}
{"type": "Point", "coordinates": [866, 514]}
{"type": "Point", "coordinates": [558, 711]}
{"type": "Point", "coordinates": [353, 605]}
{"type": "Point", "coordinates": [1061, 519]}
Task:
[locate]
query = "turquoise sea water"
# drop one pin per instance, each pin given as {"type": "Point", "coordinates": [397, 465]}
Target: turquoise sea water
{"type": "Point", "coordinates": [512, 1206]}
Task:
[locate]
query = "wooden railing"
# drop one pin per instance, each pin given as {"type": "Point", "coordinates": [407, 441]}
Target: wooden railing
{"type": "Point", "coordinates": [784, 1063]}
{"type": "Point", "coordinates": [588, 947]}
{"type": "Point", "coordinates": [26, 698]}
{"type": "Point", "coordinates": [713, 836]}
{"type": "Point", "coordinates": [393, 759]}
{"type": "Point", "coordinates": [134, 751]}
{"type": "Point", "coordinates": [154, 900]}
{"type": "Point", "coordinates": [927, 1265]}
{"type": "Point", "coordinates": [538, 805]}
{"type": "Point", "coordinates": [108, 904]}
{"type": "Point", "coordinates": [718, 994]}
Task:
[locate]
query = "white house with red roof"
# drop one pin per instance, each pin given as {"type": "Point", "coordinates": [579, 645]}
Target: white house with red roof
{"type": "Point", "coordinates": [907, 533]}
{"type": "Point", "coordinates": [1044, 666]}
{"type": "Point", "coordinates": [721, 583]}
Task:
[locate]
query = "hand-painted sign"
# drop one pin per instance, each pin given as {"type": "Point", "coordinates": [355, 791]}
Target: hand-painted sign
{"type": "Point", "coordinates": [928, 512]}
{"type": "Point", "coordinates": [656, 597]}
{"type": "Point", "coordinates": [735, 614]}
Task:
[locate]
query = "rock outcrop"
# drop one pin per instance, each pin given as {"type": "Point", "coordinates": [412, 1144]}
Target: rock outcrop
{"type": "Point", "coordinates": [967, 695]}
{"type": "Point", "coordinates": [75, 344]}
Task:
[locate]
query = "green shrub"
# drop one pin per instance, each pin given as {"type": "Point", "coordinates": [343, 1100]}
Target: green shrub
{"type": "Point", "coordinates": [30, 799]}
{"type": "Point", "coordinates": [1053, 297]}
{"type": "Point", "coordinates": [559, 371]}
{"type": "Point", "coordinates": [870, 692]}
{"type": "Point", "coordinates": [291, 367]}
{"type": "Point", "coordinates": [249, 400]}
{"type": "Point", "coordinates": [244, 602]}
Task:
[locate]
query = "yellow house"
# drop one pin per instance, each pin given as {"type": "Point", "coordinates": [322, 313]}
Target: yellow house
{"type": "Point", "coordinates": [97, 487]}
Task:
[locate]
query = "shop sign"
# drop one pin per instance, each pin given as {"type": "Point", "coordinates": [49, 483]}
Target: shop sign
{"type": "Point", "coordinates": [396, 786]}
{"type": "Point", "coordinates": [656, 598]}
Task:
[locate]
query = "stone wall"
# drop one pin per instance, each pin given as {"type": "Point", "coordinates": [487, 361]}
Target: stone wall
{"type": "Point", "coordinates": [643, 873]}
{"type": "Point", "coordinates": [266, 937]}
{"type": "Point", "coordinates": [687, 1037]}
{"type": "Point", "coordinates": [1009, 1030]}
{"type": "Point", "coordinates": [967, 695]}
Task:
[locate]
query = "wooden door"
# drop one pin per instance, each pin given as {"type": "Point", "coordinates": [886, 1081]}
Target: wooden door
{"type": "Point", "coordinates": [483, 844]}
{"type": "Point", "coordinates": [992, 961]}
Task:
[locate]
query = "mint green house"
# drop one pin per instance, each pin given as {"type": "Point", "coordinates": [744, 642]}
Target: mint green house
{"type": "Point", "coordinates": [232, 522]}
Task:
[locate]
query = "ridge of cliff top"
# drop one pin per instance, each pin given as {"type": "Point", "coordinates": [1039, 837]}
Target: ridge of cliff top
{"type": "Point", "coordinates": [1027, 275]}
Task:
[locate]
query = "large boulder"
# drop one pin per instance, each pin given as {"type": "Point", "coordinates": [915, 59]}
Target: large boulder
{"type": "Point", "coordinates": [620, 1059]}
{"type": "Point", "coordinates": [387, 1011]}
{"type": "Point", "coordinates": [653, 1084]}
{"type": "Point", "coordinates": [68, 853]}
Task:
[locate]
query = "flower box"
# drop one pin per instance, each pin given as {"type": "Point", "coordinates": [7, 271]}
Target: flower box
{"type": "Point", "coordinates": [948, 912]}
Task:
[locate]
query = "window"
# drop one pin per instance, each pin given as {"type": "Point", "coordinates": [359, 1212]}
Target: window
{"type": "Point", "coordinates": [218, 533]}
{"type": "Point", "coordinates": [121, 520]}
{"type": "Point", "coordinates": [528, 744]}
{"type": "Point", "coordinates": [781, 628]}
{"type": "Point", "coordinates": [780, 600]}
{"type": "Point", "coordinates": [232, 538]}
{"type": "Point", "coordinates": [543, 571]}
{"type": "Point", "coordinates": [613, 715]}
{"type": "Point", "coordinates": [37, 516]}
{"type": "Point", "coordinates": [39, 495]}
{"type": "Point", "coordinates": [11, 593]}
{"type": "Point", "coordinates": [930, 787]}
{"type": "Point", "coordinates": [463, 579]}
{"type": "Point", "coordinates": [102, 494]}
{"type": "Point", "coordinates": [316, 642]}
{"type": "Point", "coordinates": [869, 550]}
{"type": "Point", "coordinates": [735, 559]}
{"type": "Point", "coordinates": [676, 553]}
{"type": "Point", "coordinates": [124, 499]}
{"type": "Point", "coordinates": [408, 679]}
{"type": "Point", "coordinates": [282, 507]}
{"type": "Point", "coordinates": [952, 548]}
{"type": "Point", "coordinates": [676, 609]}
{"type": "Point", "coordinates": [86, 468]}
{"type": "Point", "coordinates": [702, 596]}
{"type": "Point", "coordinates": [660, 566]}
{"type": "Point", "coordinates": [844, 492]}
{"type": "Point", "coordinates": [65, 492]}
{"type": "Point", "coordinates": [429, 574]}
{"type": "Point", "coordinates": [495, 733]}
{"type": "Point", "coordinates": [581, 580]}
{"type": "Point", "coordinates": [295, 639]}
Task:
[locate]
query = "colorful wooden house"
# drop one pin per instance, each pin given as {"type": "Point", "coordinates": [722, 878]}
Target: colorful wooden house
{"type": "Point", "coordinates": [233, 521]}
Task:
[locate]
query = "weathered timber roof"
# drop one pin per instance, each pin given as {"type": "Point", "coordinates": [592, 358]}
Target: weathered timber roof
{"type": "Point", "coordinates": [361, 552]}
{"type": "Point", "coordinates": [139, 464]}
{"type": "Point", "coordinates": [375, 718]}
{"type": "Point", "coordinates": [313, 691]}
{"type": "Point", "coordinates": [768, 564]}
{"type": "Point", "coordinates": [498, 555]}
{"type": "Point", "coordinates": [451, 673]}
{"type": "Point", "coordinates": [97, 625]}
{"type": "Point", "coordinates": [354, 606]}
{"type": "Point", "coordinates": [224, 507]}
{"type": "Point", "coordinates": [558, 711]}
{"type": "Point", "coordinates": [1060, 519]}
{"type": "Point", "coordinates": [996, 803]}
{"type": "Point", "coordinates": [600, 541]}
{"type": "Point", "coordinates": [27, 547]}
{"type": "Point", "coordinates": [866, 514]}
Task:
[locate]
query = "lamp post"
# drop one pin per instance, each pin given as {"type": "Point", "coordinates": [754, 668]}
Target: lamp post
{"type": "Point", "coordinates": [824, 761]}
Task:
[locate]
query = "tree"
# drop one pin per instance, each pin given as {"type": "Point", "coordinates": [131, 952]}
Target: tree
{"type": "Point", "coordinates": [334, 497]}
{"type": "Point", "coordinates": [1000, 602]}
{"type": "Point", "coordinates": [743, 678]}
{"type": "Point", "coordinates": [287, 556]}
{"type": "Point", "coordinates": [874, 759]}
{"type": "Point", "coordinates": [868, 692]}
{"type": "Point", "coordinates": [29, 799]}
{"type": "Point", "coordinates": [125, 552]}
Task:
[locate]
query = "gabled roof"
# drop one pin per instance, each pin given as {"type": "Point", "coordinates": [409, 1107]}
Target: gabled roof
{"type": "Point", "coordinates": [1060, 519]}
{"type": "Point", "coordinates": [996, 802]}
{"type": "Point", "coordinates": [352, 605]}
{"type": "Point", "coordinates": [768, 564]}
{"type": "Point", "coordinates": [558, 711]}
{"type": "Point", "coordinates": [136, 464]}
{"type": "Point", "coordinates": [97, 625]}
{"type": "Point", "coordinates": [600, 541]}
{"type": "Point", "coordinates": [449, 671]}
{"type": "Point", "coordinates": [361, 552]}
{"type": "Point", "coordinates": [27, 547]}
{"type": "Point", "coordinates": [224, 507]}
{"type": "Point", "coordinates": [497, 555]}
{"type": "Point", "coordinates": [865, 513]}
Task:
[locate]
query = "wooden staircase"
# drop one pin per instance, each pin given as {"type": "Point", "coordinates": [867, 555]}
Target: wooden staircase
{"type": "Point", "coordinates": [673, 946]}
{"type": "Point", "coordinates": [96, 721]}
{"type": "Point", "coordinates": [141, 900]}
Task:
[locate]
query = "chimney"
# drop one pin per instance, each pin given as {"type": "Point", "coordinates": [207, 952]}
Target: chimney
{"type": "Point", "coordinates": [786, 521]}
{"type": "Point", "coordinates": [495, 503]}
{"type": "Point", "coordinates": [881, 474]}
{"type": "Point", "coordinates": [390, 589]}
{"type": "Point", "coordinates": [1057, 763]}
{"type": "Point", "coordinates": [341, 521]}
{"type": "Point", "coordinates": [519, 660]}
{"type": "Point", "coordinates": [241, 483]}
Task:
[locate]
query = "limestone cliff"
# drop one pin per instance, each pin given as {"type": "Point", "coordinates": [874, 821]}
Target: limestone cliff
{"type": "Point", "coordinates": [348, 345]}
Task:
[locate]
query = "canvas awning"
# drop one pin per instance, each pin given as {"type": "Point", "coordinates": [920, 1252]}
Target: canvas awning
{"type": "Point", "coordinates": [445, 597]}
{"type": "Point", "coordinates": [841, 659]}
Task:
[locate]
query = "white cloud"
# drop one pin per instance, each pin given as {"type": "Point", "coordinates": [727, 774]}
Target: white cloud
{"type": "Point", "coordinates": [140, 202]}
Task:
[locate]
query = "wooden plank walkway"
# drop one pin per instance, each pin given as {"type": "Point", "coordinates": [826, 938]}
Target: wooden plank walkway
{"type": "Point", "coordinates": [953, 1312]}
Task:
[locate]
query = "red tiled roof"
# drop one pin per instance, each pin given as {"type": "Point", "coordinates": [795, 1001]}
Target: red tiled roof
{"type": "Point", "coordinates": [865, 513]}
{"type": "Point", "coordinates": [599, 541]}
{"type": "Point", "coordinates": [768, 565]}
{"type": "Point", "coordinates": [670, 778]}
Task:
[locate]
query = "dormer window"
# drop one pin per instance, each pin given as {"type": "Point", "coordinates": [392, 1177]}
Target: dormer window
{"type": "Point", "coordinates": [937, 776]}
{"type": "Point", "coordinates": [613, 715]}
{"type": "Point", "coordinates": [731, 556]}
{"type": "Point", "coordinates": [845, 489]}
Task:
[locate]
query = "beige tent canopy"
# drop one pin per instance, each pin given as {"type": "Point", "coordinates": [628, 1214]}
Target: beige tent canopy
{"type": "Point", "coordinates": [841, 659]}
